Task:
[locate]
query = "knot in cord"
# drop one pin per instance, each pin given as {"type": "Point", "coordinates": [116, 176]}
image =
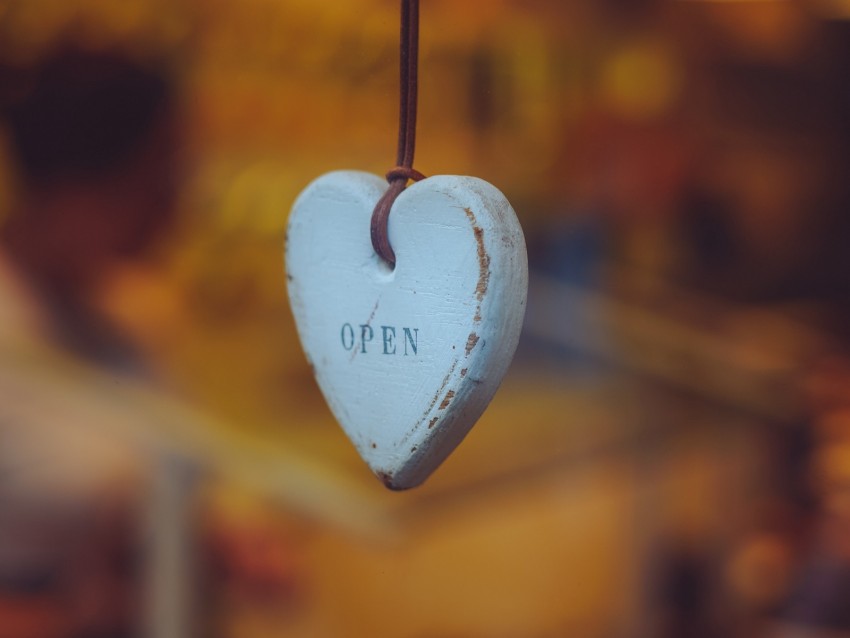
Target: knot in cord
{"type": "Point", "coordinates": [404, 172]}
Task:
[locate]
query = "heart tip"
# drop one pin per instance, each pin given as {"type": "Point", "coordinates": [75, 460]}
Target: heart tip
{"type": "Point", "coordinates": [392, 482]}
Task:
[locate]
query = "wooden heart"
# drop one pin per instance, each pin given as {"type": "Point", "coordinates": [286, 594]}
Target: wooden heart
{"type": "Point", "coordinates": [407, 358]}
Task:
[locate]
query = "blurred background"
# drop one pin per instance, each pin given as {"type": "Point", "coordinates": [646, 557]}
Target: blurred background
{"type": "Point", "coordinates": [669, 455]}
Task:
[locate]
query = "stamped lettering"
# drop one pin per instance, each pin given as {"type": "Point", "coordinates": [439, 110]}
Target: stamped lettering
{"type": "Point", "coordinates": [390, 336]}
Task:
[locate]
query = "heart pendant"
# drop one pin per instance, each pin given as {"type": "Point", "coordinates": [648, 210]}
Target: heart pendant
{"type": "Point", "coordinates": [407, 357]}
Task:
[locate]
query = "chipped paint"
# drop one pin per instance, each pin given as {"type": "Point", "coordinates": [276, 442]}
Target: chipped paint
{"type": "Point", "coordinates": [483, 257]}
{"type": "Point", "coordinates": [470, 342]}
{"type": "Point", "coordinates": [448, 399]}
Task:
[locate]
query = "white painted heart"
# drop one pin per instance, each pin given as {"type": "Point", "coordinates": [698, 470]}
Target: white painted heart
{"type": "Point", "coordinates": [407, 358]}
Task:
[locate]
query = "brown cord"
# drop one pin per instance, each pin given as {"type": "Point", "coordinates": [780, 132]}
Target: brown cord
{"type": "Point", "coordinates": [403, 171]}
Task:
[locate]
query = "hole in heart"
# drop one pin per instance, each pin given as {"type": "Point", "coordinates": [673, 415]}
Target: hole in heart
{"type": "Point", "coordinates": [381, 269]}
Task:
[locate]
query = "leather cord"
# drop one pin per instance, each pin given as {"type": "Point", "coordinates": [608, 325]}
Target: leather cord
{"type": "Point", "coordinates": [403, 171]}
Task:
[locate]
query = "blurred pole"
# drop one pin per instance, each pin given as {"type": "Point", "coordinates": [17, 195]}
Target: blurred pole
{"type": "Point", "coordinates": [171, 557]}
